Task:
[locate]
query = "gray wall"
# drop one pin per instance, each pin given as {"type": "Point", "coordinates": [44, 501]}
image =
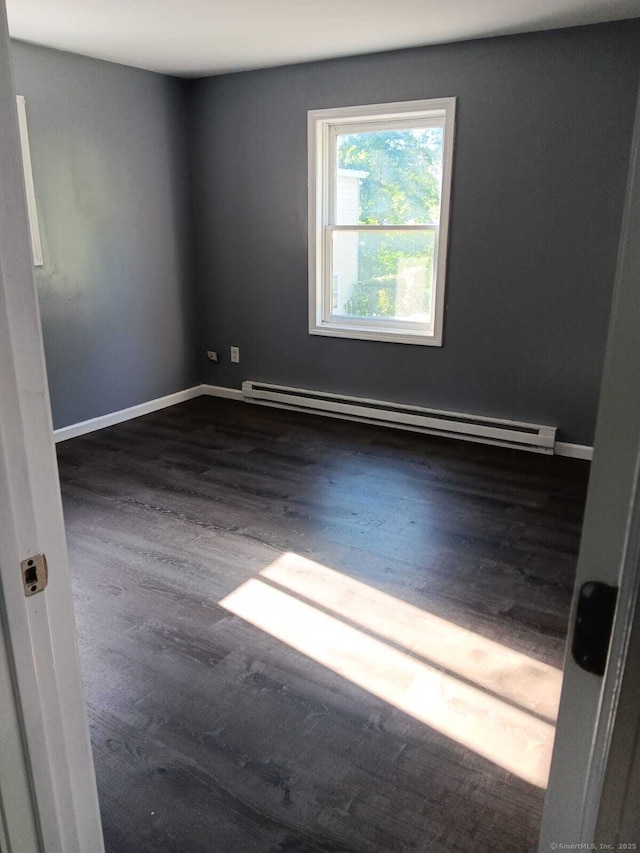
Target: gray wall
{"type": "Point", "coordinates": [543, 137]}
{"type": "Point", "coordinates": [108, 148]}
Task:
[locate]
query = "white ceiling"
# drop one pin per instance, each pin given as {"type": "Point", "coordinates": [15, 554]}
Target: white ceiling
{"type": "Point", "coordinates": [197, 37]}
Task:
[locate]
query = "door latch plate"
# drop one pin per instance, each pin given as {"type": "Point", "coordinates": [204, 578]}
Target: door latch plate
{"type": "Point", "coordinates": [34, 574]}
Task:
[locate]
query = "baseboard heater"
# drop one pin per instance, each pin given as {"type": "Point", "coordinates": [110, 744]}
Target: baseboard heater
{"type": "Point", "coordinates": [521, 436]}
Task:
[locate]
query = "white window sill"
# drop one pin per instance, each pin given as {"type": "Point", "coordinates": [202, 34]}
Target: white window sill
{"type": "Point", "coordinates": [362, 333]}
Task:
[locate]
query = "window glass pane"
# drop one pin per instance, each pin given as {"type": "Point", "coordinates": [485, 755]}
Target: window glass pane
{"type": "Point", "coordinates": [383, 274]}
{"type": "Point", "coordinates": [389, 177]}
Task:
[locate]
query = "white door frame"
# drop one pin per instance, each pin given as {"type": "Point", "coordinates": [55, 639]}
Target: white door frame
{"type": "Point", "coordinates": [18, 815]}
{"type": "Point", "coordinates": [40, 641]}
{"type": "Point", "coordinates": [578, 800]}
{"type": "Point", "coordinates": [614, 792]}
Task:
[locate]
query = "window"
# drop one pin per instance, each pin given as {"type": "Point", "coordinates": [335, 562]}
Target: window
{"type": "Point", "coordinates": [379, 185]}
{"type": "Point", "coordinates": [32, 212]}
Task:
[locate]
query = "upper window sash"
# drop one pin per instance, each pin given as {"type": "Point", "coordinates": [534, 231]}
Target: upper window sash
{"type": "Point", "coordinates": [335, 129]}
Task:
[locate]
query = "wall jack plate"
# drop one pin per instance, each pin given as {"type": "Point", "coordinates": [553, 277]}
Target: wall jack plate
{"type": "Point", "coordinates": [34, 574]}
{"type": "Point", "coordinates": [212, 355]}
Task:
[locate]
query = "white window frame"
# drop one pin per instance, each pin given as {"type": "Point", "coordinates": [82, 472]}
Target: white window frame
{"type": "Point", "coordinates": [32, 210]}
{"type": "Point", "coordinates": [323, 127]}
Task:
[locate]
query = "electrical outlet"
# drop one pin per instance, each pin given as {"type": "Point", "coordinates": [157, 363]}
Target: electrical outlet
{"type": "Point", "coordinates": [235, 355]}
{"type": "Point", "coordinates": [212, 355]}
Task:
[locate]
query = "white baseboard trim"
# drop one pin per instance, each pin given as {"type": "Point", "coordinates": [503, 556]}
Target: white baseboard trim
{"type": "Point", "coordinates": [562, 448]}
{"type": "Point", "coordinates": [103, 421]}
{"type": "Point", "coordinates": [222, 391]}
{"type": "Point", "coordinates": [577, 451]}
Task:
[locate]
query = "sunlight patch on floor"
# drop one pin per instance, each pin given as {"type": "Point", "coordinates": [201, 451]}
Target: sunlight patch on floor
{"type": "Point", "coordinates": [509, 736]}
{"type": "Point", "coordinates": [514, 676]}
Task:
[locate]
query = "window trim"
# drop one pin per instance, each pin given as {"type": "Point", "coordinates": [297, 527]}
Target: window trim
{"type": "Point", "coordinates": [321, 126]}
{"type": "Point", "coordinates": [32, 210]}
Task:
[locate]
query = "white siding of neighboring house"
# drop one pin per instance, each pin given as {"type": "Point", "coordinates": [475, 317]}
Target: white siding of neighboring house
{"type": "Point", "coordinates": [345, 255]}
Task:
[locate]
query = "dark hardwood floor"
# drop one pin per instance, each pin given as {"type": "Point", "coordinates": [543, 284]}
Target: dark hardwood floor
{"type": "Point", "coordinates": [299, 634]}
